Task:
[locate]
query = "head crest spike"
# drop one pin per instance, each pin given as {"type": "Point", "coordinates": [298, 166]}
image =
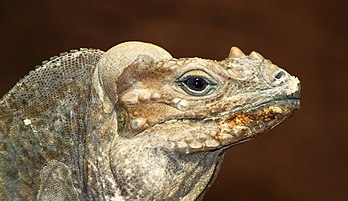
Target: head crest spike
{"type": "Point", "coordinates": [256, 56]}
{"type": "Point", "coordinates": [235, 52]}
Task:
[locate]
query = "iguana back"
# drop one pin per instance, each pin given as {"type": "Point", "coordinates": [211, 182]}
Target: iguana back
{"type": "Point", "coordinates": [43, 119]}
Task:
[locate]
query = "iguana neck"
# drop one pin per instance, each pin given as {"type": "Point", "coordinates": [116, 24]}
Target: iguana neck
{"type": "Point", "coordinates": [141, 172]}
{"type": "Point", "coordinates": [172, 176]}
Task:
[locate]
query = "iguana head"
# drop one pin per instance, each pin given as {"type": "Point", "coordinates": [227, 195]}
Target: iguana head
{"type": "Point", "coordinates": [192, 105]}
{"type": "Point", "coordinates": [174, 117]}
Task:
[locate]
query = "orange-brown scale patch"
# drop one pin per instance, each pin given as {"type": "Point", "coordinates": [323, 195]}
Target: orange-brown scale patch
{"type": "Point", "coordinates": [235, 120]}
{"type": "Point", "coordinates": [231, 121]}
{"type": "Point", "coordinates": [218, 137]}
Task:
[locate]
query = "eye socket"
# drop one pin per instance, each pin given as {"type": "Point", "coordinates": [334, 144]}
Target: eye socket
{"type": "Point", "coordinates": [196, 83]}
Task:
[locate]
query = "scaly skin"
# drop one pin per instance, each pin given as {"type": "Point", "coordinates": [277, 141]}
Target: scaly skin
{"type": "Point", "coordinates": [136, 124]}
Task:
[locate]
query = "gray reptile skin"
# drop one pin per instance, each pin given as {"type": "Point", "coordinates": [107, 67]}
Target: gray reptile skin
{"type": "Point", "coordinates": [133, 123]}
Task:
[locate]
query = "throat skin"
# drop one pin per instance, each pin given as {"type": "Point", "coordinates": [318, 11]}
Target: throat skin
{"type": "Point", "coordinates": [141, 172]}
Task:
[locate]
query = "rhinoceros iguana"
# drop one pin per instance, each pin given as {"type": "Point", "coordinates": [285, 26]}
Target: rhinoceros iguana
{"type": "Point", "coordinates": [133, 123]}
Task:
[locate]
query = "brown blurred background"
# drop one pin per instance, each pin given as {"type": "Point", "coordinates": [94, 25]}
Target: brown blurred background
{"type": "Point", "coordinates": [304, 159]}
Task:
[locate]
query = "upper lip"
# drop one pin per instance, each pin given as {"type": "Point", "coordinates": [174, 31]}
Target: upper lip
{"type": "Point", "coordinates": [293, 98]}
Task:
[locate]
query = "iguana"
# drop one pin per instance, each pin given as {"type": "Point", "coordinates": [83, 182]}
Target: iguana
{"type": "Point", "coordinates": [133, 123]}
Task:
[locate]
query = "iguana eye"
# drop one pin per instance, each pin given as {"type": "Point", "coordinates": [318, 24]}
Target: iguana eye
{"type": "Point", "coordinates": [196, 85]}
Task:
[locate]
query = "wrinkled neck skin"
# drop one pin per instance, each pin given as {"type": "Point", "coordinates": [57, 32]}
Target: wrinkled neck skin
{"type": "Point", "coordinates": [139, 171]}
{"type": "Point", "coordinates": [142, 172]}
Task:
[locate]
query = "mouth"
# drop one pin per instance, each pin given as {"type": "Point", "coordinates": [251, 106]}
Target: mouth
{"type": "Point", "coordinates": [229, 129]}
{"type": "Point", "coordinates": [246, 124]}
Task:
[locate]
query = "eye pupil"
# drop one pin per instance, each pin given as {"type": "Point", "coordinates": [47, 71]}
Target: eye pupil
{"type": "Point", "coordinates": [196, 83]}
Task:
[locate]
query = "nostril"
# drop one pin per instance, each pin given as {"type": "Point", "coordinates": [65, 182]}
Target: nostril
{"type": "Point", "coordinates": [279, 75]}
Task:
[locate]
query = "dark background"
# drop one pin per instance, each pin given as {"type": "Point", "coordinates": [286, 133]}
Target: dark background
{"type": "Point", "coordinates": [306, 158]}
